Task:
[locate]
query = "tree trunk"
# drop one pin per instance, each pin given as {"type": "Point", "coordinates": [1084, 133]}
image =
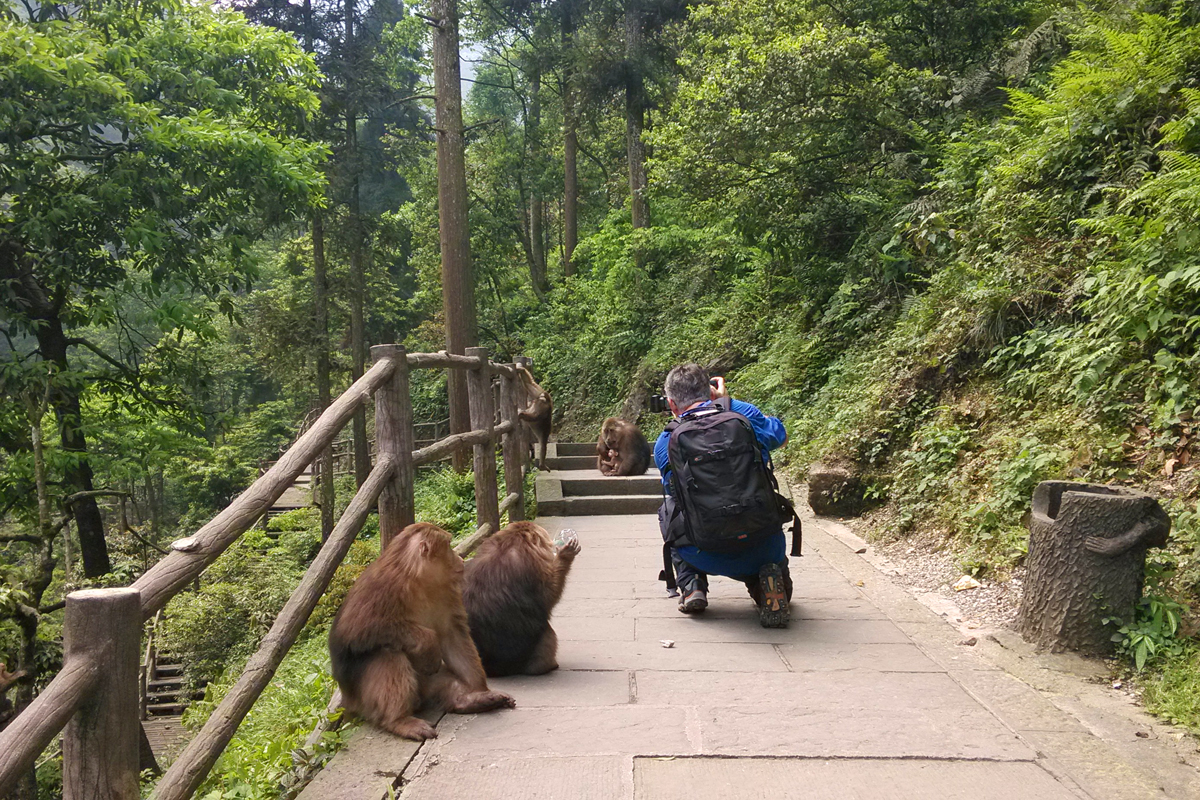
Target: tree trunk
{"type": "Point", "coordinates": [458, 287]}
{"type": "Point", "coordinates": [537, 238]}
{"type": "Point", "coordinates": [570, 146]}
{"type": "Point", "coordinates": [358, 283]}
{"type": "Point", "coordinates": [570, 153]}
{"type": "Point", "coordinates": [635, 111]}
{"type": "Point", "coordinates": [93, 549]}
{"type": "Point", "coordinates": [321, 336]}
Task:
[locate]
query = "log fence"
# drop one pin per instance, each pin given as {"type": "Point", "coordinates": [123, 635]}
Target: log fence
{"type": "Point", "coordinates": [95, 699]}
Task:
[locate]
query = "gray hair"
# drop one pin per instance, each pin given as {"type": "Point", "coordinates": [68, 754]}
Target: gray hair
{"type": "Point", "coordinates": [687, 384]}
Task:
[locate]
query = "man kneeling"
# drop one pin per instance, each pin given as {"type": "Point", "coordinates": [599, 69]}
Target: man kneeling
{"type": "Point", "coordinates": [722, 514]}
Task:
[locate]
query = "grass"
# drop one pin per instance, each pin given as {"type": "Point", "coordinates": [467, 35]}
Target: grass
{"type": "Point", "coordinates": [1173, 693]}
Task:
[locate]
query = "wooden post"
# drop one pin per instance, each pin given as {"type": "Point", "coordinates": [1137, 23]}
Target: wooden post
{"type": "Point", "coordinates": [483, 417]}
{"type": "Point", "coordinates": [514, 474]}
{"type": "Point", "coordinates": [100, 743]}
{"type": "Point", "coordinates": [525, 435]}
{"type": "Point", "coordinates": [394, 437]}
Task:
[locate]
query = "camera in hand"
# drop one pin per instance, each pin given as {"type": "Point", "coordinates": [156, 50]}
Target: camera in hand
{"type": "Point", "coordinates": [658, 404]}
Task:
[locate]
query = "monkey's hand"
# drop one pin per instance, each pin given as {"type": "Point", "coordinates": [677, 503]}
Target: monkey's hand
{"type": "Point", "coordinates": [569, 549]}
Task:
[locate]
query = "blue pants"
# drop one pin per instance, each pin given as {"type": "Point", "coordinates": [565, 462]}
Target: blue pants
{"type": "Point", "coordinates": [693, 566]}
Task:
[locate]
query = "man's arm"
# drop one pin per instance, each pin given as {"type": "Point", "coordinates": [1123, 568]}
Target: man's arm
{"type": "Point", "coordinates": [769, 430]}
{"type": "Point", "coordinates": [662, 457]}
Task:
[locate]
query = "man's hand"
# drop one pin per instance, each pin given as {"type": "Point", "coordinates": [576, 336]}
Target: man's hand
{"type": "Point", "coordinates": [716, 388]}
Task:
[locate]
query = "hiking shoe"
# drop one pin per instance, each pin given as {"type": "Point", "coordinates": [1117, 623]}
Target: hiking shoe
{"type": "Point", "coordinates": [694, 602]}
{"type": "Point", "coordinates": [773, 608]}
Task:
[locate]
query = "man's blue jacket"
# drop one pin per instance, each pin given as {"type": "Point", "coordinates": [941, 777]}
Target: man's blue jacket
{"type": "Point", "coordinates": [770, 434]}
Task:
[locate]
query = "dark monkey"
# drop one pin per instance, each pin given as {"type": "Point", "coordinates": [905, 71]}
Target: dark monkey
{"type": "Point", "coordinates": [400, 641]}
{"type": "Point", "coordinates": [537, 415]}
{"type": "Point", "coordinates": [512, 585]}
{"type": "Point", "coordinates": [621, 449]}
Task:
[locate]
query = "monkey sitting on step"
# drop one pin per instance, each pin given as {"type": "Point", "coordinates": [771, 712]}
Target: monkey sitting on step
{"type": "Point", "coordinates": [621, 449]}
{"type": "Point", "coordinates": [511, 587]}
{"type": "Point", "coordinates": [400, 641]}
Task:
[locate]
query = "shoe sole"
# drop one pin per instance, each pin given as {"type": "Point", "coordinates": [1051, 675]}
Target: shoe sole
{"type": "Point", "coordinates": [773, 613]}
{"type": "Point", "coordinates": [693, 607]}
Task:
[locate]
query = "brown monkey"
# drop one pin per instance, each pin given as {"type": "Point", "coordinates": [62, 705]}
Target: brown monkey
{"type": "Point", "coordinates": [400, 640]}
{"type": "Point", "coordinates": [622, 449]}
{"type": "Point", "coordinates": [7, 678]}
{"type": "Point", "coordinates": [537, 415]}
{"type": "Point", "coordinates": [511, 587]}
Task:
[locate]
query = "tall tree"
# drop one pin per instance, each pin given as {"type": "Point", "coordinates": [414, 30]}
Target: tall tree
{"type": "Point", "coordinates": [458, 284]}
{"type": "Point", "coordinates": [358, 282]}
{"type": "Point", "coordinates": [635, 113]}
{"type": "Point", "coordinates": [141, 155]}
{"type": "Point", "coordinates": [570, 142]}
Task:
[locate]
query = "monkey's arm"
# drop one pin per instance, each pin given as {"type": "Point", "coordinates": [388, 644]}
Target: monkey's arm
{"type": "Point", "coordinates": [1149, 532]}
{"type": "Point", "coordinates": [7, 678]}
{"type": "Point", "coordinates": [460, 655]}
{"type": "Point", "coordinates": [416, 641]}
{"type": "Point", "coordinates": [562, 566]}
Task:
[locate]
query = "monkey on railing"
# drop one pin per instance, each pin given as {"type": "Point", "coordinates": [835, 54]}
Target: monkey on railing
{"type": "Point", "coordinates": [537, 414]}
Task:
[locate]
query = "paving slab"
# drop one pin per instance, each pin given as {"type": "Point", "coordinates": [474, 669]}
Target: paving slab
{"type": "Point", "coordinates": [700, 656]}
{"type": "Point", "coordinates": [739, 629]}
{"type": "Point", "coordinates": [371, 763]}
{"type": "Point", "coordinates": [568, 688]}
{"type": "Point", "coordinates": [867, 694]}
{"type": "Point", "coordinates": [540, 732]}
{"type": "Point", "coordinates": [817, 656]}
{"type": "Point", "coordinates": [844, 779]}
{"type": "Point", "coordinates": [592, 629]}
{"type": "Point", "coordinates": [579, 778]}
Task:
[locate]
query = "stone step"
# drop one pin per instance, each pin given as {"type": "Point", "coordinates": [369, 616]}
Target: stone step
{"type": "Point", "coordinates": [590, 486]}
{"type": "Point", "coordinates": [575, 449]}
{"type": "Point", "coordinates": [558, 463]}
{"type": "Point", "coordinates": [595, 505]}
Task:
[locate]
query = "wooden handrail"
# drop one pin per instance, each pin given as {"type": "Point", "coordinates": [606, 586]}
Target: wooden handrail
{"type": "Point", "coordinates": [194, 763]}
{"type": "Point", "coordinates": [93, 693]}
{"type": "Point", "coordinates": [509, 502]}
{"type": "Point", "coordinates": [444, 447]}
{"type": "Point", "coordinates": [441, 359]}
{"type": "Point", "coordinates": [35, 727]}
{"type": "Point", "coordinates": [190, 556]}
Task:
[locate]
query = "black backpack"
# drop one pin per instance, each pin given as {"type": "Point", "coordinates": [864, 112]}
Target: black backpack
{"type": "Point", "coordinates": [724, 488]}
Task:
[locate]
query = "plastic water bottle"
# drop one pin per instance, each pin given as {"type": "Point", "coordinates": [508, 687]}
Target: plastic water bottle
{"type": "Point", "coordinates": [565, 536]}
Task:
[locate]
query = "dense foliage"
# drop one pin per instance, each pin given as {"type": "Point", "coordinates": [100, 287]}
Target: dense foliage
{"type": "Point", "coordinates": [954, 245]}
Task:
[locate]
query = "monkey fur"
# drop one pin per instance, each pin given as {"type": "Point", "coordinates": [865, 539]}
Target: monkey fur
{"type": "Point", "coordinates": [537, 414]}
{"type": "Point", "coordinates": [621, 449]}
{"type": "Point", "coordinates": [400, 642]}
{"type": "Point", "coordinates": [510, 589]}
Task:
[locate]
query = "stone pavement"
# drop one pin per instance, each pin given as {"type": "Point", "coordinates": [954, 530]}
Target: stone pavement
{"type": "Point", "coordinates": [867, 694]}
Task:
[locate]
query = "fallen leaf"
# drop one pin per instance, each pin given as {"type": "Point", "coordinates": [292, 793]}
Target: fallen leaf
{"type": "Point", "coordinates": [1142, 431]}
{"type": "Point", "coordinates": [966, 582]}
{"type": "Point", "coordinates": [1185, 457]}
{"type": "Point", "coordinates": [1169, 467]}
{"type": "Point", "coordinates": [861, 550]}
{"type": "Point", "coordinates": [859, 583]}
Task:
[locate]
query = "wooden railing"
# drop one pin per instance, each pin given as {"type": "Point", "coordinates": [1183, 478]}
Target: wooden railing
{"type": "Point", "coordinates": [94, 699]}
